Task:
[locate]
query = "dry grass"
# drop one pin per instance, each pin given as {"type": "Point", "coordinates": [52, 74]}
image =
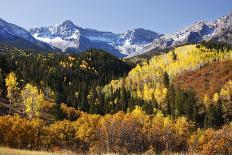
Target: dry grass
{"type": "Point", "coordinates": [9, 151]}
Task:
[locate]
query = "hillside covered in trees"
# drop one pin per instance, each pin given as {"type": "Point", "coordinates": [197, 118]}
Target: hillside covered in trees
{"type": "Point", "coordinates": [66, 78]}
{"type": "Point", "coordinates": [179, 101]}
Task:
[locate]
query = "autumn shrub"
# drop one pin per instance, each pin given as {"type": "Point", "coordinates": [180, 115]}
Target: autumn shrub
{"type": "Point", "coordinates": [166, 134]}
{"type": "Point", "coordinates": [137, 132]}
{"type": "Point", "coordinates": [121, 133]}
{"type": "Point", "coordinates": [62, 135]}
{"type": "Point", "coordinates": [20, 132]}
{"type": "Point", "coordinates": [212, 141]}
{"type": "Point", "coordinates": [86, 130]}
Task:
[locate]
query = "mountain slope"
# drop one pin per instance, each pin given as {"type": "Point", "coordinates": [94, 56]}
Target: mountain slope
{"type": "Point", "coordinates": [207, 80]}
{"type": "Point", "coordinates": [143, 80]}
{"type": "Point", "coordinates": [18, 37]}
{"type": "Point", "coordinates": [224, 30]}
{"type": "Point", "coordinates": [65, 74]}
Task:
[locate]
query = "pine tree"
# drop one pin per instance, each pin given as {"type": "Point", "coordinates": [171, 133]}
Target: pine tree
{"type": "Point", "coordinates": [124, 97]}
{"type": "Point", "coordinates": [209, 117]}
{"type": "Point", "coordinates": [165, 79]}
{"type": "Point", "coordinates": [148, 107]}
{"type": "Point", "coordinates": [174, 56]}
{"type": "Point", "coordinates": [179, 101]}
{"type": "Point", "coordinates": [219, 120]}
{"type": "Point", "coordinates": [171, 99]}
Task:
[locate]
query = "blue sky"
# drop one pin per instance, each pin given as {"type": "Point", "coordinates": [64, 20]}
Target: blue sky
{"type": "Point", "coordinates": [162, 16]}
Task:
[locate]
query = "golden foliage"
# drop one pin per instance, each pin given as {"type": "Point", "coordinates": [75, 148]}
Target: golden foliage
{"type": "Point", "coordinates": [12, 88]}
{"type": "Point", "coordinates": [133, 132]}
{"type": "Point", "coordinates": [212, 141]}
{"type": "Point", "coordinates": [142, 80]}
{"type": "Point", "coordinates": [33, 99]}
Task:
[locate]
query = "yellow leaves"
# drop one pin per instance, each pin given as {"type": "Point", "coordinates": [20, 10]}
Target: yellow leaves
{"type": "Point", "coordinates": [66, 64]}
{"type": "Point", "coordinates": [148, 92]}
{"type": "Point", "coordinates": [51, 69]}
{"type": "Point", "coordinates": [143, 78]}
{"type": "Point", "coordinates": [33, 100]}
{"type": "Point", "coordinates": [86, 126]}
{"type": "Point", "coordinates": [196, 140]}
{"type": "Point", "coordinates": [206, 100]}
{"type": "Point", "coordinates": [182, 125]}
{"type": "Point", "coordinates": [160, 93]}
{"type": "Point", "coordinates": [70, 58]}
{"type": "Point", "coordinates": [226, 91]}
{"type": "Point", "coordinates": [212, 141]}
{"type": "Point", "coordinates": [167, 122]}
{"type": "Point", "coordinates": [138, 68]}
{"type": "Point", "coordinates": [216, 97]}
{"type": "Point", "coordinates": [11, 83]}
{"type": "Point", "coordinates": [20, 131]}
{"type": "Point", "coordinates": [138, 111]}
{"type": "Point", "coordinates": [12, 89]}
{"type": "Point", "coordinates": [139, 93]}
{"type": "Point", "coordinates": [84, 65]}
{"type": "Point", "coordinates": [63, 64]}
{"type": "Point", "coordinates": [61, 133]}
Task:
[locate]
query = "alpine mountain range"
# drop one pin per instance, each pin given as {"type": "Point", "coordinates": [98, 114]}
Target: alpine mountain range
{"type": "Point", "coordinates": [68, 37]}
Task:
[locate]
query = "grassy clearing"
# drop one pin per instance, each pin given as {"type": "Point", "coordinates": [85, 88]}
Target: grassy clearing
{"type": "Point", "coordinates": [9, 151]}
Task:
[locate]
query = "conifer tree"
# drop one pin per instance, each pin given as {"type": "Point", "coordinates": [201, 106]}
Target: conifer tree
{"type": "Point", "coordinates": [165, 79]}
{"type": "Point", "coordinates": [219, 114]}
{"type": "Point", "coordinates": [209, 117]}
{"type": "Point", "coordinates": [179, 101]}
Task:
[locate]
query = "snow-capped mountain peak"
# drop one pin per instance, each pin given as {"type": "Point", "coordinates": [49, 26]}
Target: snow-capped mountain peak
{"type": "Point", "coordinates": [68, 24]}
{"type": "Point", "coordinates": [139, 36]}
{"type": "Point", "coordinates": [67, 35]}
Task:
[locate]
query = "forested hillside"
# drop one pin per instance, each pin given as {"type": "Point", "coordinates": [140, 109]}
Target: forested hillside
{"type": "Point", "coordinates": [153, 84]}
{"type": "Point", "coordinates": [66, 78]}
{"type": "Point", "coordinates": [180, 101]}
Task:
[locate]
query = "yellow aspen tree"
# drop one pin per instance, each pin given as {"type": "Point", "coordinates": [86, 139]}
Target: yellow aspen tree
{"type": "Point", "coordinates": [160, 93]}
{"type": "Point", "coordinates": [12, 89]}
{"type": "Point", "coordinates": [33, 100]}
{"type": "Point", "coordinates": [226, 97]}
